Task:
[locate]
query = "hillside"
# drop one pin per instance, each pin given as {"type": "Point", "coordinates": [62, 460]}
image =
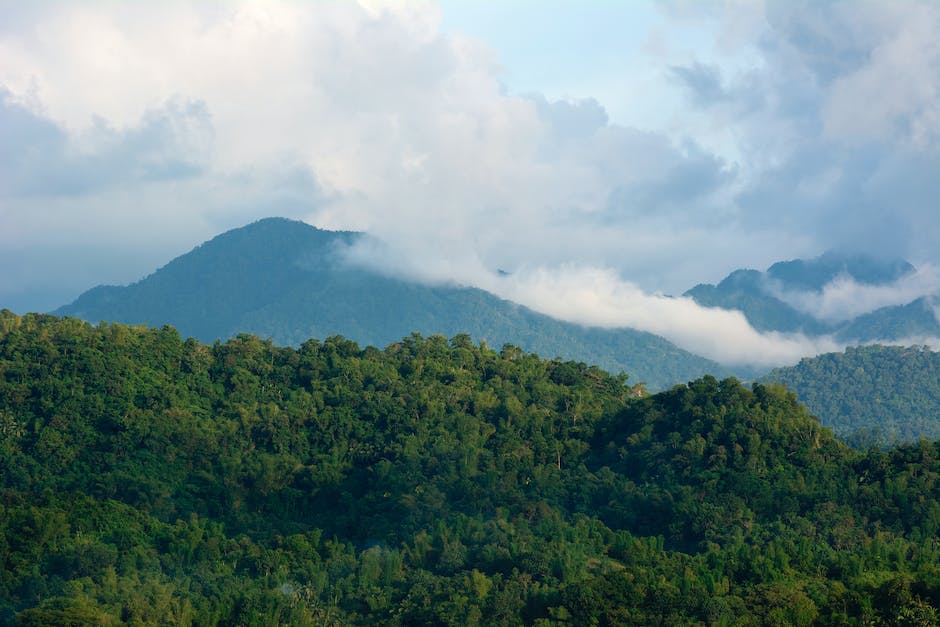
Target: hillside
{"type": "Point", "coordinates": [147, 479]}
{"type": "Point", "coordinates": [870, 394]}
{"type": "Point", "coordinates": [767, 298]}
{"type": "Point", "coordinates": [744, 290]}
{"type": "Point", "coordinates": [286, 280]}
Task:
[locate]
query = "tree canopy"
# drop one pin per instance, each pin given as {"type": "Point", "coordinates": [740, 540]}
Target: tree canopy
{"type": "Point", "coordinates": [871, 395]}
{"type": "Point", "coordinates": [146, 479]}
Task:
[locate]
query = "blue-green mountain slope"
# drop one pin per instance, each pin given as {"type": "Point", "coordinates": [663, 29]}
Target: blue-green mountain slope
{"type": "Point", "coordinates": [289, 281]}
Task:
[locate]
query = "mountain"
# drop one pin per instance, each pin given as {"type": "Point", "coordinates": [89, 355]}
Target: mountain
{"type": "Point", "coordinates": [917, 319]}
{"type": "Point", "coordinates": [815, 274]}
{"type": "Point", "coordinates": [147, 479]}
{"type": "Point", "coordinates": [763, 298]}
{"type": "Point", "coordinates": [743, 290]}
{"type": "Point", "coordinates": [289, 281]}
{"type": "Point", "coordinates": [870, 394]}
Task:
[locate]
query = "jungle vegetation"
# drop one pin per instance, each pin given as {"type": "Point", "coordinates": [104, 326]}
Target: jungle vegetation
{"type": "Point", "coordinates": [150, 479]}
{"type": "Point", "coordinates": [870, 395]}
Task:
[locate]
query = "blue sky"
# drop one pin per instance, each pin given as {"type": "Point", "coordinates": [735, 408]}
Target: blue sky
{"type": "Point", "coordinates": [562, 49]}
{"type": "Point", "coordinates": [637, 148]}
{"type": "Point", "coordinates": [611, 51]}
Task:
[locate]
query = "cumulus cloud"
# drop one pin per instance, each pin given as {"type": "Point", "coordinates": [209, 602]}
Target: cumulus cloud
{"type": "Point", "coordinates": [898, 84]}
{"type": "Point", "coordinates": [408, 133]}
{"type": "Point", "coordinates": [367, 116]}
{"type": "Point", "coordinates": [836, 126]}
{"type": "Point", "coordinates": [41, 158]}
{"type": "Point", "coordinates": [704, 82]}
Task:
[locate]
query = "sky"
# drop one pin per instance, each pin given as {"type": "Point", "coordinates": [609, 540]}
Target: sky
{"type": "Point", "coordinates": [604, 154]}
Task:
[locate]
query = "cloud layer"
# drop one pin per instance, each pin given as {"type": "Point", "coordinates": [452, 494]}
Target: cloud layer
{"type": "Point", "coordinates": [133, 131]}
{"type": "Point", "coordinates": [600, 298]}
{"type": "Point", "coordinates": [844, 298]}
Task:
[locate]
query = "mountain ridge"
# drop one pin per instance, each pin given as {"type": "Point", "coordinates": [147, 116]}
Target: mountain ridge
{"type": "Point", "coordinates": [762, 298]}
{"type": "Point", "coordinates": [287, 280]}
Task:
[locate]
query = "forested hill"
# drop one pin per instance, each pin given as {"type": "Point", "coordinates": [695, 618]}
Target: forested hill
{"type": "Point", "coordinates": [870, 394]}
{"type": "Point", "coordinates": [286, 280]}
{"type": "Point", "coordinates": [144, 479]}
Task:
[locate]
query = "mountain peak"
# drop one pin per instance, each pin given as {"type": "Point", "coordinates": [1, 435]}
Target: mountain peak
{"type": "Point", "coordinates": [782, 298]}
{"type": "Point", "coordinates": [290, 281]}
{"type": "Point", "coordinates": [814, 274]}
{"type": "Point", "coordinates": [286, 231]}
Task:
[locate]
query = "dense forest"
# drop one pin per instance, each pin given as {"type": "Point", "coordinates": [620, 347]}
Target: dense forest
{"type": "Point", "coordinates": [870, 394]}
{"type": "Point", "coordinates": [149, 479]}
{"type": "Point", "coordinates": [288, 281]}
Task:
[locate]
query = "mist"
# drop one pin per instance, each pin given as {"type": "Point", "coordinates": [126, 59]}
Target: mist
{"type": "Point", "coordinates": [598, 297]}
{"type": "Point", "coordinates": [844, 298]}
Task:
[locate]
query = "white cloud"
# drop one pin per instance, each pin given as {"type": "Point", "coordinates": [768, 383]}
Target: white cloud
{"type": "Point", "coordinates": [599, 298]}
{"type": "Point", "coordinates": [407, 132]}
{"type": "Point", "coordinates": [895, 95]}
{"type": "Point", "coordinates": [594, 296]}
{"type": "Point", "coordinates": [843, 298]}
{"type": "Point", "coordinates": [368, 116]}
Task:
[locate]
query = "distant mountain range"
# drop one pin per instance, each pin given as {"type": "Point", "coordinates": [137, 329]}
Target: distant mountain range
{"type": "Point", "coordinates": [762, 297]}
{"type": "Point", "coordinates": [287, 280]}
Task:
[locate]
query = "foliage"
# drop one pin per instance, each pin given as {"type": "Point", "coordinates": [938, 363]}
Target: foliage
{"type": "Point", "coordinates": [870, 395]}
{"type": "Point", "coordinates": [149, 479]}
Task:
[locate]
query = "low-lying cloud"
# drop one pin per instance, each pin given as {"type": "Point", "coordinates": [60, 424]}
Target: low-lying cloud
{"type": "Point", "coordinates": [844, 298]}
{"type": "Point", "coordinates": [598, 297]}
